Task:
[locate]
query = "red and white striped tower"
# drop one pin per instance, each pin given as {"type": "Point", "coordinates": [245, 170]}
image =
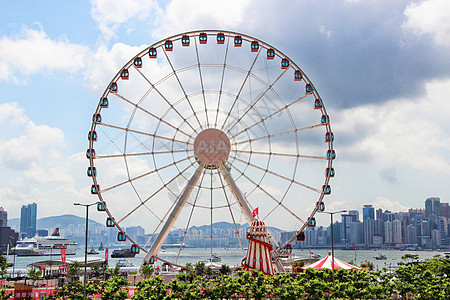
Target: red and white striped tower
{"type": "Point", "coordinates": [258, 254]}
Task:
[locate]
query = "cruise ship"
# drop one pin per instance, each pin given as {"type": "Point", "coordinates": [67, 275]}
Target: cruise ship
{"type": "Point", "coordinates": [50, 245]}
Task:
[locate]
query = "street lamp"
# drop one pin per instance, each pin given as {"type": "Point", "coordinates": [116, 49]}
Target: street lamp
{"type": "Point", "coordinates": [85, 242]}
{"type": "Point", "coordinates": [331, 213]}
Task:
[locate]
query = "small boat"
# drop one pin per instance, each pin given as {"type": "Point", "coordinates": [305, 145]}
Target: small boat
{"type": "Point", "coordinates": [315, 255]}
{"type": "Point", "coordinates": [92, 251]}
{"type": "Point", "coordinates": [101, 247]}
{"type": "Point", "coordinates": [124, 263]}
{"type": "Point", "coordinates": [380, 256]}
{"type": "Point", "coordinates": [215, 258]}
{"type": "Point", "coordinates": [118, 253]}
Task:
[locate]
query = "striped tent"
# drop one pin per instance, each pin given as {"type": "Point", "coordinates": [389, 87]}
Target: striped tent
{"type": "Point", "coordinates": [327, 263]}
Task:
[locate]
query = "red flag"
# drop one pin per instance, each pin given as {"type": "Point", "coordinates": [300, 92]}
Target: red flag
{"type": "Point", "coordinates": [63, 255]}
{"type": "Point", "coordinates": [255, 212]}
{"type": "Point", "coordinates": [106, 254]}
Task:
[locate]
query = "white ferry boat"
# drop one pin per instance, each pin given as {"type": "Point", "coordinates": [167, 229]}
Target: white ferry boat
{"type": "Point", "coordinates": [50, 245]}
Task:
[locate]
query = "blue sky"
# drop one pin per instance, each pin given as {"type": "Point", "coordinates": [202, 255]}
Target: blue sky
{"type": "Point", "coordinates": [382, 68]}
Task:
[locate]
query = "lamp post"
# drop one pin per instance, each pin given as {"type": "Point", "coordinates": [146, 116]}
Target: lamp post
{"type": "Point", "coordinates": [85, 243]}
{"type": "Point", "coordinates": [331, 213]}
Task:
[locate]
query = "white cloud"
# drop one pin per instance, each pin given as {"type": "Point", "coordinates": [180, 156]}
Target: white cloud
{"type": "Point", "coordinates": [401, 131]}
{"type": "Point", "coordinates": [429, 17]}
{"type": "Point", "coordinates": [32, 51]}
{"type": "Point", "coordinates": [387, 204]}
{"type": "Point", "coordinates": [181, 16]}
{"type": "Point", "coordinates": [110, 15]}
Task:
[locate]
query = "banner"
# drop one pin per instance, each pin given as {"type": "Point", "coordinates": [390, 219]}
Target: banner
{"type": "Point", "coordinates": [255, 212]}
{"type": "Point", "coordinates": [63, 255]}
{"type": "Point", "coordinates": [106, 254]}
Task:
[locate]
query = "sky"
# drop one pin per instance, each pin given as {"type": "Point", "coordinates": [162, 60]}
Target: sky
{"type": "Point", "coordinates": [382, 68]}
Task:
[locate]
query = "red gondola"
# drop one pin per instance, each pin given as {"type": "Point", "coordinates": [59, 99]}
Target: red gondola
{"type": "Point", "coordinates": [101, 207]}
{"type": "Point", "coordinates": [152, 53]}
{"type": "Point", "coordinates": [168, 45]}
{"type": "Point", "coordinates": [124, 74]}
{"type": "Point", "coordinates": [331, 154]}
{"type": "Point", "coordinates": [138, 62]}
{"type": "Point", "coordinates": [312, 222]}
{"type": "Point", "coordinates": [285, 63]}
{"type": "Point", "coordinates": [254, 46]}
{"type": "Point", "coordinates": [121, 237]}
{"type": "Point", "coordinates": [329, 137]}
{"type": "Point", "coordinates": [95, 189]}
{"type": "Point", "coordinates": [113, 87]}
{"type": "Point", "coordinates": [90, 153]}
{"type": "Point", "coordinates": [185, 41]}
{"type": "Point", "coordinates": [309, 88]}
{"type": "Point", "coordinates": [91, 172]}
{"type": "Point", "coordinates": [288, 248]}
{"type": "Point", "coordinates": [97, 118]}
{"type": "Point", "coordinates": [298, 76]}
{"type": "Point", "coordinates": [104, 103]}
{"type": "Point", "coordinates": [203, 38]}
{"type": "Point", "coordinates": [220, 38]}
{"type": "Point", "coordinates": [329, 172]}
{"type": "Point", "coordinates": [134, 249]}
{"type": "Point", "coordinates": [238, 41]}
{"type": "Point", "coordinates": [152, 260]}
{"type": "Point", "coordinates": [325, 119]}
{"type": "Point", "coordinates": [326, 189]}
{"type": "Point", "coordinates": [110, 222]}
{"type": "Point", "coordinates": [320, 206]}
{"type": "Point", "coordinates": [318, 104]}
{"type": "Point", "coordinates": [92, 136]}
{"type": "Point", "coordinates": [270, 54]}
{"type": "Point", "coordinates": [301, 236]}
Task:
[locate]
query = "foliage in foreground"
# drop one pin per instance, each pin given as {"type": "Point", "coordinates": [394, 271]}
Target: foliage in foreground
{"type": "Point", "coordinates": [427, 280]}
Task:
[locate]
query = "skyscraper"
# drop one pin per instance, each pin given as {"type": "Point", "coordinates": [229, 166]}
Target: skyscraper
{"type": "Point", "coordinates": [432, 207]}
{"type": "Point", "coordinates": [3, 217]}
{"type": "Point", "coordinates": [28, 215]}
{"type": "Point", "coordinates": [368, 212]}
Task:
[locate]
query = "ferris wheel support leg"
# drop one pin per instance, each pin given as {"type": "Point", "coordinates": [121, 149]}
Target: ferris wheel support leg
{"type": "Point", "coordinates": [246, 210]}
{"type": "Point", "coordinates": [181, 201]}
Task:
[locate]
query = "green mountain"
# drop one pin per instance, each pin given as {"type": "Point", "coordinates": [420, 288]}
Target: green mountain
{"type": "Point", "coordinates": [53, 222]}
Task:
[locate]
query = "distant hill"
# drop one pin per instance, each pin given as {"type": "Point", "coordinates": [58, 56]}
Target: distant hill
{"type": "Point", "coordinates": [56, 221]}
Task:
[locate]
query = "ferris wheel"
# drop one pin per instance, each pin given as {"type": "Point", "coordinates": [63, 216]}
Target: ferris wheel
{"type": "Point", "coordinates": [201, 133]}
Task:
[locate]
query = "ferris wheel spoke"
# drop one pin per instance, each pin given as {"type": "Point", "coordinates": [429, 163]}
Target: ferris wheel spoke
{"type": "Point", "coordinates": [269, 136]}
{"type": "Point", "coordinates": [221, 82]}
{"type": "Point", "coordinates": [201, 83]}
{"type": "Point", "coordinates": [167, 101]}
{"type": "Point", "coordinates": [269, 116]}
{"type": "Point", "coordinates": [256, 101]}
{"type": "Point", "coordinates": [141, 154]}
{"type": "Point", "coordinates": [279, 203]}
{"type": "Point", "coordinates": [145, 174]}
{"type": "Point", "coordinates": [231, 212]}
{"type": "Point", "coordinates": [278, 175]}
{"type": "Point", "coordinates": [246, 208]}
{"type": "Point", "coordinates": [190, 214]}
{"type": "Point", "coordinates": [152, 115]}
{"type": "Point", "coordinates": [240, 90]}
{"type": "Point", "coordinates": [182, 88]}
{"type": "Point", "coordinates": [155, 193]}
{"type": "Point", "coordinates": [179, 204]}
{"type": "Point", "coordinates": [279, 154]}
{"type": "Point", "coordinates": [145, 133]}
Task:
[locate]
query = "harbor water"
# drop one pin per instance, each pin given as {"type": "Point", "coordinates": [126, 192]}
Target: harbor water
{"type": "Point", "coordinates": [233, 257]}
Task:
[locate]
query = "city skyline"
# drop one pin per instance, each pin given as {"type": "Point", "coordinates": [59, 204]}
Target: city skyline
{"type": "Point", "coordinates": [384, 79]}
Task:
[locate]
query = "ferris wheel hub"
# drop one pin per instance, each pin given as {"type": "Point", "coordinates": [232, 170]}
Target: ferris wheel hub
{"type": "Point", "coordinates": [212, 146]}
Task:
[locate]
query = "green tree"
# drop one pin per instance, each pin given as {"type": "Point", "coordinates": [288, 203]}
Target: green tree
{"type": "Point", "coordinates": [225, 270]}
{"type": "Point", "coordinates": [3, 266]}
{"type": "Point", "coordinates": [113, 288]}
{"type": "Point", "coordinates": [34, 274]}
{"type": "Point", "coordinates": [200, 268]}
{"type": "Point", "coordinates": [5, 295]}
{"type": "Point", "coordinates": [146, 270]}
{"type": "Point", "coordinates": [74, 270]}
